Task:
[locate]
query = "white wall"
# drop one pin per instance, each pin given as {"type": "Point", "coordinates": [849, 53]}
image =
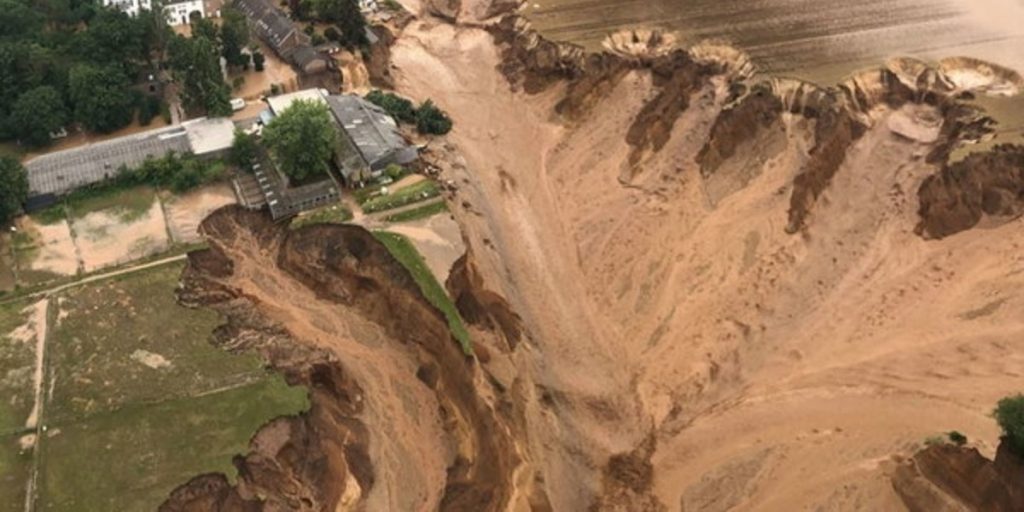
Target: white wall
{"type": "Point", "coordinates": [176, 12]}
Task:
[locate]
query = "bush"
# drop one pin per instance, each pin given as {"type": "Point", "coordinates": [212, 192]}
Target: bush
{"type": "Point", "coordinates": [1009, 414]}
{"type": "Point", "coordinates": [394, 171]}
{"type": "Point", "coordinates": [149, 107]}
{"type": "Point", "coordinates": [957, 438]}
{"type": "Point", "coordinates": [244, 150]}
{"type": "Point", "coordinates": [399, 108]}
{"type": "Point", "coordinates": [257, 61]}
{"type": "Point", "coordinates": [318, 39]}
{"type": "Point", "coordinates": [431, 120]}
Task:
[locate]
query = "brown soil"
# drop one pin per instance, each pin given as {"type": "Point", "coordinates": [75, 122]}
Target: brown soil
{"type": "Point", "coordinates": [650, 335]}
{"type": "Point", "coordinates": [947, 478]}
{"type": "Point", "coordinates": [987, 185]}
{"type": "Point", "coordinates": [365, 318]}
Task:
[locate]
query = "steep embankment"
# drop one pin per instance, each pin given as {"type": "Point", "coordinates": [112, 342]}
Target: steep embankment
{"type": "Point", "coordinates": [397, 422]}
{"type": "Point", "coordinates": [687, 290]}
{"type": "Point", "coordinates": [680, 347]}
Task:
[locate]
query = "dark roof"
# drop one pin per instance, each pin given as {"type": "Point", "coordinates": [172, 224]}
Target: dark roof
{"type": "Point", "coordinates": [303, 55]}
{"type": "Point", "coordinates": [272, 25]}
{"type": "Point", "coordinates": [372, 130]}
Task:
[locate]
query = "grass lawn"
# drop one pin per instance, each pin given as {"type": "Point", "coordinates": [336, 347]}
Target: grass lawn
{"type": "Point", "coordinates": [131, 459]}
{"type": "Point", "coordinates": [403, 251]}
{"type": "Point", "coordinates": [421, 212]}
{"type": "Point", "coordinates": [141, 400]}
{"type": "Point", "coordinates": [127, 203]}
{"type": "Point", "coordinates": [15, 468]}
{"type": "Point", "coordinates": [17, 365]}
{"type": "Point", "coordinates": [111, 330]}
{"type": "Point", "coordinates": [333, 214]}
{"type": "Point", "coordinates": [401, 197]}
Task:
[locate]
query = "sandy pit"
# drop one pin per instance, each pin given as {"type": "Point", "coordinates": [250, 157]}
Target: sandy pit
{"type": "Point", "coordinates": [53, 249]}
{"type": "Point", "coordinates": [105, 238]}
{"type": "Point", "coordinates": [772, 371]}
{"type": "Point", "coordinates": [185, 212]}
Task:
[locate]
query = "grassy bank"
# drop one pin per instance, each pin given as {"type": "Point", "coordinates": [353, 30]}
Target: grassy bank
{"type": "Point", "coordinates": [414, 193]}
{"type": "Point", "coordinates": [141, 400]}
{"type": "Point", "coordinates": [406, 254]}
{"type": "Point", "coordinates": [418, 213]}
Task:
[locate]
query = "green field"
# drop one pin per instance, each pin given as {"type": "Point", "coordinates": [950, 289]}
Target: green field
{"type": "Point", "coordinates": [414, 193]}
{"type": "Point", "coordinates": [17, 365]}
{"type": "Point", "coordinates": [418, 213]}
{"type": "Point", "coordinates": [334, 214]}
{"type": "Point", "coordinates": [406, 254]}
{"type": "Point", "coordinates": [140, 401]}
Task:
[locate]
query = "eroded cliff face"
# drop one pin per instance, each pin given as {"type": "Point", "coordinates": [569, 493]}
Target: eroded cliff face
{"type": "Point", "coordinates": [635, 210]}
{"type": "Point", "coordinates": [325, 459]}
{"type": "Point", "coordinates": [687, 288]}
{"type": "Point", "coordinates": [944, 478]}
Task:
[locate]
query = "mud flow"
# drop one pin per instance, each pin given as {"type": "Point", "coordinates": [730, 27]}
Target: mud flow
{"type": "Point", "coordinates": [690, 285]}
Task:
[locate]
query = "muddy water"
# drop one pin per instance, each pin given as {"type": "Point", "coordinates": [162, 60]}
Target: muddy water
{"type": "Point", "coordinates": [820, 40]}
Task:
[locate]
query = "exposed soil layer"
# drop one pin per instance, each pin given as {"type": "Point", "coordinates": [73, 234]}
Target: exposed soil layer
{"type": "Point", "coordinates": [322, 460]}
{"type": "Point", "coordinates": [677, 346]}
{"type": "Point", "coordinates": [983, 185]}
{"type": "Point", "coordinates": [944, 478]}
{"type": "Point", "coordinates": [295, 463]}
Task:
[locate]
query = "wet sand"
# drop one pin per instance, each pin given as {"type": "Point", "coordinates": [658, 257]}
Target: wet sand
{"type": "Point", "coordinates": [808, 39]}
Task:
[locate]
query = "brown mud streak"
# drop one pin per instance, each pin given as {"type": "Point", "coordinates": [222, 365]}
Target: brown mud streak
{"type": "Point", "coordinates": [344, 265]}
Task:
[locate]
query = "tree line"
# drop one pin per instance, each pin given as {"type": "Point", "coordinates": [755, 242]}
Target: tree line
{"type": "Point", "coordinates": [74, 61]}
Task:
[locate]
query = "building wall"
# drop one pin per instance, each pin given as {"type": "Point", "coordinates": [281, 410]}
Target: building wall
{"type": "Point", "coordinates": [176, 12]}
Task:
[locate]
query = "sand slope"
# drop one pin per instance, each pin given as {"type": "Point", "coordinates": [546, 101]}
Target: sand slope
{"type": "Point", "coordinates": [775, 371]}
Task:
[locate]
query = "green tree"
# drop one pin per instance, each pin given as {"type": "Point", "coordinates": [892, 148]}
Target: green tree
{"type": "Point", "coordinates": [430, 119]}
{"type": "Point", "coordinates": [1009, 414]}
{"type": "Point", "coordinates": [196, 65]}
{"type": "Point", "coordinates": [244, 149]}
{"type": "Point", "coordinates": [113, 38]}
{"type": "Point", "coordinates": [257, 60]}
{"type": "Point", "coordinates": [102, 99]}
{"type": "Point", "coordinates": [37, 113]}
{"type": "Point", "coordinates": [302, 139]}
{"type": "Point", "coordinates": [202, 27]}
{"type": "Point", "coordinates": [399, 108]}
{"type": "Point", "coordinates": [234, 35]}
{"type": "Point", "coordinates": [18, 19]}
{"type": "Point", "coordinates": [352, 25]}
{"type": "Point", "coordinates": [347, 16]}
{"type": "Point", "coordinates": [13, 188]}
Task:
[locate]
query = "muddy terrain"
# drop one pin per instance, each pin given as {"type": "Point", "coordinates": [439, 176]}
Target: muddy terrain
{"type": "Point", "coordinates": [690, 287]}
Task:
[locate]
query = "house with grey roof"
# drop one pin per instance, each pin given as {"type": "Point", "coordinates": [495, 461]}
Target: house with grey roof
{"type": "Point", "coordinates": [274, 28]}
{"type": "Point", "coordinates": [368, 142]}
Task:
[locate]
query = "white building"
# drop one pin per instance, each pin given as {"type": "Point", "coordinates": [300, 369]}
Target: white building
{"type": "Point", "coordinates": [177, 11]}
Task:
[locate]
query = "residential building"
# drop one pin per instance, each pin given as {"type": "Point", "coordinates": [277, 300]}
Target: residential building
{"type": "Point", "coordinates": [177, 11]}
{"type": "Point", "coordinates": [370, 139]}
{"type": "Point", "coordinates": [274, 28]}
{"type": "Point", "coordinates": [368, 142]}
